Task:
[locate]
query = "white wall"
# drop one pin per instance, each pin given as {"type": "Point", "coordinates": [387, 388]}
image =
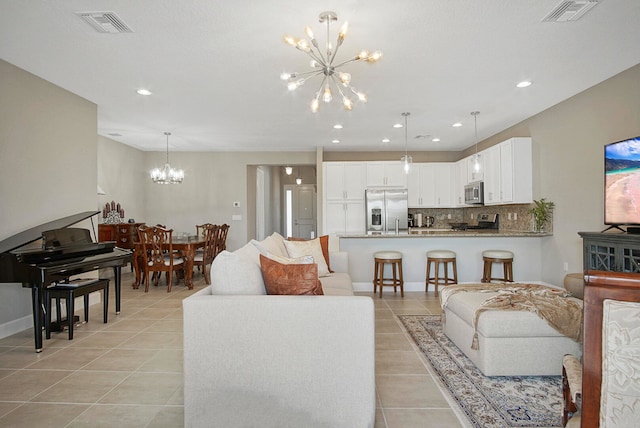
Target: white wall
{"type": "Point", "coordinates": [48, 161]}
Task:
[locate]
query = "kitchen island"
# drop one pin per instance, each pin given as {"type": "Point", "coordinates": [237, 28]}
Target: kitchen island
{"type": "Point", "coordinates": [468, 245]}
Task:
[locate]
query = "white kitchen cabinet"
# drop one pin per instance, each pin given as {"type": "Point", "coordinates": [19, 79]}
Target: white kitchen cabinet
{"type": "Point", "coordinates": [491, 157]}
{"type": "Point", "coordinates": [386, 174]}
{"type": "Point", "coordinates": [344, 217]}
{"type": "Point", "coordinates": [444, 182]}
{"type": "Point", "coordinates": [430, 185]}
{"type": "Point", "coordinates": [461, 180]}
{"type": "Point", "coordinates": [508, 172]}
{"type": "Point", "coordinates": [344, 181]}
{"type": "Point", "coordinates": [516, 171]}
{"type": "Point", "coordinates": [420, 185]}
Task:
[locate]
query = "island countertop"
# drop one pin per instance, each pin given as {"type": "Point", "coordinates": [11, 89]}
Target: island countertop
{"type": "Point", "coordinates": [468, 246]}
{"type": "Point", "coordinates": [470, 233]}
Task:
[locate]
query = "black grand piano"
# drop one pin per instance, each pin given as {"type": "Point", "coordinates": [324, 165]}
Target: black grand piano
{"type": "Point", "coordinates": [65, 252]}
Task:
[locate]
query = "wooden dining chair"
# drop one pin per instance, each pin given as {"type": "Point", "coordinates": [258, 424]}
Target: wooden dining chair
{"type": "Point", "coordinates": [223, 230]}
{"type": "Point", "coordinates": [158, 254]}
{"type": "Point", "coordinates": [206, 256]}
{"type": "Point", "coordinates": [201, 228]}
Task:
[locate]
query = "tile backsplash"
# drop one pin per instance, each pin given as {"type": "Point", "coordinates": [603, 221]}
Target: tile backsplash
{"type": "Point", "coordinates": [510, 217]}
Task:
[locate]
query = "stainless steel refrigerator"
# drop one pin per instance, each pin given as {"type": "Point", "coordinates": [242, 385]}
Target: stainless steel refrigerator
{"type": "Point", "coordinates": [387, 210]}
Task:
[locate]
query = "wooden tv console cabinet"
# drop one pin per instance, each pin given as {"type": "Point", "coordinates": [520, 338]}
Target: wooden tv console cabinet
{"type": "Point", "coordinates": [612, 252]}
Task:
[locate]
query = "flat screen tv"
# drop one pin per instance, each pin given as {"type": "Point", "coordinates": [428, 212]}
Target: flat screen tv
{"type": "Point", "coordinates": [622, 182]}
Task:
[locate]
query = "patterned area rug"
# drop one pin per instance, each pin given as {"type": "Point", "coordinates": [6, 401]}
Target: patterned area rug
{"type": "Point", "coordinates": [498, 401]}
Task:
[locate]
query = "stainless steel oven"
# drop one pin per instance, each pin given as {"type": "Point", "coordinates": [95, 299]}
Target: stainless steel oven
{"type": "Point", "coordinates": [474, 193]}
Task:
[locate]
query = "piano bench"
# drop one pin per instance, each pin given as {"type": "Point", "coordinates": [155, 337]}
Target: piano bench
{"type": "Point", "coordinates": [69, 293]}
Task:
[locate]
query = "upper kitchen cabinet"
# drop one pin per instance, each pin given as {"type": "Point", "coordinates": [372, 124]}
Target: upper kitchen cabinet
{"type": "Point", "coordinates": [344, 181]}
{"type": "Point", "coordinates": [420, 185]}
{"type": "Point", "coordinates": [461, 179]}
{"type": "Point", "coordinates": [386, 174]}
{"type": "Point", "coordinates": [508, 177]}
{"type": "Point", "coordinates": [431, 185]}
{"type": "Point", "coordinates": [491, 157]}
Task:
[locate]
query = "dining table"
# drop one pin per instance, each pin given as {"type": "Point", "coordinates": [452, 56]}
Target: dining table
{"type": "Point", "coordinates": [185, 244]}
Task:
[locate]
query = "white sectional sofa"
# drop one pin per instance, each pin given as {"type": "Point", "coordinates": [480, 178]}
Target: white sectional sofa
{"type": "Point", "coordinates": [252, 359]}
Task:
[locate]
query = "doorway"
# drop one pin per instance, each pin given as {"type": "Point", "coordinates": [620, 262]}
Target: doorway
{"type": "Point", "coordinates": [300, 213]}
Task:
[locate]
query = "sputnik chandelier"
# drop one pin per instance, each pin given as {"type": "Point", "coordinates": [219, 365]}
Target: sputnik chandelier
{"type": "Point", "coordinates": [322, 64]}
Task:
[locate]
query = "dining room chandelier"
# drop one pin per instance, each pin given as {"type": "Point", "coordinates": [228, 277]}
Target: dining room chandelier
{"type": "Point", "coordinates": [167, 174]}
{"type": "Point", "coordinates": [323, 63]}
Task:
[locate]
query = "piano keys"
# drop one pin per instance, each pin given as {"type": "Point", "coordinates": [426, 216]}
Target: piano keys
{"type": "Point", "coordinates": [66, 252]}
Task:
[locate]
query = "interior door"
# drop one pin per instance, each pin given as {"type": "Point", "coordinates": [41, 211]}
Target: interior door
{"type": "Point", "coordinates": [300, 210]}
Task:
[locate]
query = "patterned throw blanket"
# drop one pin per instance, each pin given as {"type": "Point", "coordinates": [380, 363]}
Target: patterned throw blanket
{"type": "Point", "coordinates": [550, 304]}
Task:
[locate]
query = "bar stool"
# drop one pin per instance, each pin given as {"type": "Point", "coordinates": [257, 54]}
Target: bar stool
{"type": "Point", "coordinates": [69, 293]}
{"type": "Point", "coordinates": [394, 258]}
{"type": "Point", "coordinates": [497, 256]}
{"type": "Point", "coordinates": [438, 257]}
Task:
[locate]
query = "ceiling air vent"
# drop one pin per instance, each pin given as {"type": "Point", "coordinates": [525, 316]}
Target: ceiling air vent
{"type": "Point", "coordinates": [105, 22]}
{"type": "Point", "coordinates": [570, 10]}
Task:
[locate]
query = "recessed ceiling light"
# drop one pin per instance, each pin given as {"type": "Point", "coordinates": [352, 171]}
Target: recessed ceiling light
{"type": "Point", "coordinates": [386, 140]}
{"type": "Point", "coordinates": [143, 91]}
{"type": "Point", "coordinates": [398, 125]}
{"type": "Point", "coordinates": [524, 84]}
{"type": "Point", "coordinates": [457, 125]}
{"type": "Point", "coordinates": [335, 141]}
{"type": "Point", "coordinates": [436, 140]}
{"type": "Point", "coordinates": [337, 126]}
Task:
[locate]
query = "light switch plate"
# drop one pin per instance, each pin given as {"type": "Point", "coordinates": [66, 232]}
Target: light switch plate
{"type": "Point", "coordinates": [236, 217]}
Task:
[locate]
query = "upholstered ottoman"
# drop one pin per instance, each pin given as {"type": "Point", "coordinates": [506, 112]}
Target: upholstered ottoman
{"type": "Point", "coordinates": [510, 343]}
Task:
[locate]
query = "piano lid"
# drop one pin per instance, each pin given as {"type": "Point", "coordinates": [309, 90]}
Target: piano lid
{"type": "Point", "coordinates": [35, 233]}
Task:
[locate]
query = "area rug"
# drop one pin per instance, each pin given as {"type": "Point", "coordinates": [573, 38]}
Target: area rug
{"type": "Point", "coordinates": [497, 401]}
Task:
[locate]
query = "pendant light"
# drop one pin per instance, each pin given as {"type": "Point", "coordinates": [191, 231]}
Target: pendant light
{"type": "Point", "coordinates": [476, 160]}
{"type": "Point", "coordinates": [406, 160]}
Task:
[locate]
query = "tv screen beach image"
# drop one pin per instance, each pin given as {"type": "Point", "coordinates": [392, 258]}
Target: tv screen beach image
{"type": "Point", "coordinates": [622, 182]}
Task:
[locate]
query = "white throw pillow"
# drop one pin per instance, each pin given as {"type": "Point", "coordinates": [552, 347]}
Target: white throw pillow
{"type": "Point", "coordinates": [270, 245]}
{"type": "Point", "coordinates": [233, 274]}
{"type": "Point", "coordinates": [279, 240]}
{"type": "Point", "coordinates": [249, 252]}
{"type": "Point", "coordinates": [308, 248]}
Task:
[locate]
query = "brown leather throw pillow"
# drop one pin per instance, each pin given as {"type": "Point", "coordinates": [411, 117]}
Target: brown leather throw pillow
{"type": "Point", "coordinates": [290, 278]}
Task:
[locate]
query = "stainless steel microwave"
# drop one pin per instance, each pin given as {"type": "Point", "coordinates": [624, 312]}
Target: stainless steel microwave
{"type": "Point", "coordinates": [474, 193]}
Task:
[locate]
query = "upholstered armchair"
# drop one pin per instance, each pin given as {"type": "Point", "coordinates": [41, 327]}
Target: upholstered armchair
{"type": "Point", "coordinates": [605, 389]}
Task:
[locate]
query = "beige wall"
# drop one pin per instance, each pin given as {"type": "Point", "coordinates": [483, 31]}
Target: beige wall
{"type": "Point", "coordinates": [48, 163]}
{"type": "Point", "coordinates": [121, 175]}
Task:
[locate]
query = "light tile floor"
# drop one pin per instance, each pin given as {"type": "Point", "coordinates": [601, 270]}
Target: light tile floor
{"type": "Point", "coordinates": [128, 372]}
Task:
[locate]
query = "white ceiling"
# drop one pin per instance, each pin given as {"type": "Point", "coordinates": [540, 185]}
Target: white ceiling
{"type": "Point", "coordinates": [214, 66]}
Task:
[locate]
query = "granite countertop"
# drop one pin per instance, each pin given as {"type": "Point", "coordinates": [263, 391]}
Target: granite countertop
{"type": "Point", "coordinates": [425, 233]}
